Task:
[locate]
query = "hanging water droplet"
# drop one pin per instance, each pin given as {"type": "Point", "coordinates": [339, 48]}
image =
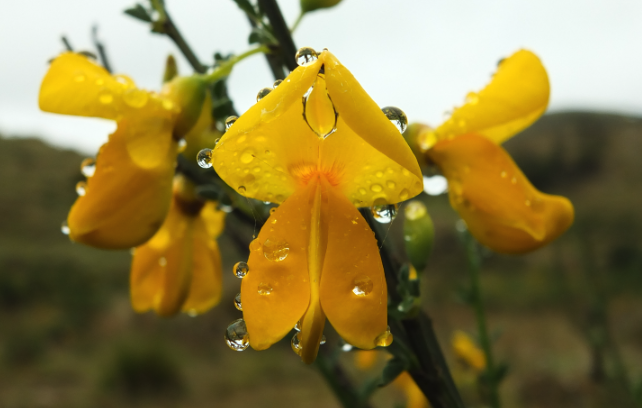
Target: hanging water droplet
{"type": "Point", "coordinates": [345, 347]}
{"type": "Point", "coordinates": [241, 190]}
{"type": "Point", "coordinates": [263, 93]}
{"type": "Point", "coordinates": [241, 269]}
{"type": "Point", "coordinates": [81, 188]}
{"type": "Point", "coordinates": [297, 347]}
{"type": "Point", "coordinates": [162, 261]}
{"type": "Point", "coordinates": [404, 194]}
{"type": "Point", "coordinates": [182, 144]}
{"type": "Point", "coordinates": [306, 56]}
{"type": "Point", "coordinates": [322, 341]}
{"type": "Point", "coordinates": [397, 117]}
{"type": "Point", "coordinates": [64, 228]}
{"type": "Point", "coordinates": [88, 167]}
{"type": "Point", "coordinates": [236, 336]}
{"type": "Point", "coordinates": [384, 213]}
{"type": "Point", "coordinates": [226, 208]}
{"type": "Point", "coordinates": [275, 250]}
{"type": "Point", "coordinates": [319, 111]}
{"type": "Point", "coordinates": [230, 121]}
{"type": "Point", "coordinates": [204, 158]}
{"type": "Point", "coordinates": [265, 289]}
{"type": "Point", "coordinates": [384, 339]}
{"type": "Point", "coordinates": [277, 83]}
{"type": "Point", "coordinates": [237, 302]}
{"type": "Point", "coordinates": [255, 245]}
{"type": "Point", "coordinates": [297, 326]}
{"type": "Point", "coordinates": [136, 98]}
{"type": "Point", "coordinates": [362, 286]}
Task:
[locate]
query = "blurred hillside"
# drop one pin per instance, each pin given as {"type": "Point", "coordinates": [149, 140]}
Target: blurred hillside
{"type": "Point", "coordinates": [68, 337]}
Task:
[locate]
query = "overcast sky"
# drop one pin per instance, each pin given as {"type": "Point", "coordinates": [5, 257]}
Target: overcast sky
{"type": "Point", "coordinates": [420, 55]}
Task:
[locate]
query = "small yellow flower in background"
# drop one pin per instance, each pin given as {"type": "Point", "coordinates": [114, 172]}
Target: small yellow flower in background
{"type": "Point", "coordinates": [179, 268]}
{"type": "Point", "coordinates": [467, 351]}
{"type": "Point", "coordinates": [501, 207]}
{"type": "Point", "coordinates": [319, 145]}
{"type": "Point", "coordinates": [128, 192]}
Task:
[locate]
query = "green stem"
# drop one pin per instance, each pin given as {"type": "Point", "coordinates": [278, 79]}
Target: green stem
{"type": "Point", "coordinates": [338, 380]}
{"type": "Point", "coordinates": [281, 32]}
{"type": "Point", "coordinates": [477, 303]}
{"type": "Point", "coordinates": [225, 68]}
{"type": "Point", "coordinates": [297, 22]}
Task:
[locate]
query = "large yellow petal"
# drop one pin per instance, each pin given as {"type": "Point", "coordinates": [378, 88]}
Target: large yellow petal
{"type": "Point", "coordinates": [365, 118]}
{"type": "Point", "coordinates": [162, 268]}
{"type": "Point", "coordinates": [128, 197]}
{"type": "Point", "coordinates": [276, 291]}
{"type": "Point", "coordinates": [515, 97]}
{"type": "Point", "coordinates": [76, 85]}
{"type": "Point", "coordinates": [500, 206]}
{"type": "Point", "coordinates": [353, 286]}
{"type": "Point", "coordinates": [260, 154]}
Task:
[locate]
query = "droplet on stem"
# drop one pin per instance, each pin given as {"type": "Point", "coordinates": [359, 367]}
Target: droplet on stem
{"type": "Point", "coordinates": [384, 339]}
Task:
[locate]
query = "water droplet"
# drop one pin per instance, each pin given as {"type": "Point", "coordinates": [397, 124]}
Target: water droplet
{"type": "Point", "coordinates": [528, 203]}
{"type": "Point", "coordinates": [162, 261]}
{"type": "Point", "coordinates": [255, 245]}
{"type": "Point", "coordinates": [355, 221]}
{"type": "Point", "coordinates": [88, 167]}
{"type": "Point", "coordinates": [230, 121]}
{"type": "Point", "coordinates": [322, 341]}
{"type": "Point", "coordinates": [247, 156]}
{"type": "Point", "coordinates": [136, 98]}
{"type": "Point", "coordinates": [362, 286]}
{"type": "Point", "coordinates": [272, 210]}
{"type": "Point", "coordinates": [404, 194]}
{"type": "Point", "coordinates": [390, 184]}
{"type": "Point", "coordinates": [362, 191]}
{"type": "Point", "coordinates": [81, 188]}
{"type": "Point", "coordinates": [241, 190]}
{"type": "Point", "coordinates": [182, 144]}
{"type": "Point", "coordinates": [236, 335]}
{"type": "Point", "coordinates": [376, 188]}
{"type": "Point", "coordinates": [277, 83]}
{"type": "Point", "coordinates": [472, 98]}
{"type": "Point", "coordinates": [265, 289]}
{"type": "Point", "coordinates": [384, 213]}
{"type": "Point", "coordinates": [397, 117]}
{"type": "Point", "coordinates": [513, 180]}
{"type": "Point", "coordinates": [275, 251]}
{"type": "Point", "coordinates": [297, 347]}
{"type": "Point", "coordinates": [204, 158]}
{"type": "Point", "coordinates": [306, 56]}
{"type": "Point", "coordinates": [106, 99]}
{"type": "Point", "coordinates": [345, 347]}
{"type": "Point", "coordinates": [64, 228]}
{"type": "Point", "coordinates": [226, 208]}
{"type": "Point", "coordinates": [460, 225]}
{"type": "Point", "coordinates": [167, 104]}
{"type": "Point", "coordinates": [79, 78]}
{"type": "Point", "coordinates": [297, 326]}
{"type": "Point", "coordinates": [237, 302]}
{"type": "Point", "coordinates": [319, 111]}
{"type": "Point", "coordinates": [263, 93]}
{"type": "Point", "coordinates": [384, 339]}
{"type": "Point", "coordinates": [503, 174]}
{"type": "Point", "coordinates": [241, 269]}
{"type": "Point", "coordinates": [415, 210]}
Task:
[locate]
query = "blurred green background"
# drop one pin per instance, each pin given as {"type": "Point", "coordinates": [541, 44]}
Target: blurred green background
{"type": "Point", "coordinates": [567, 318]}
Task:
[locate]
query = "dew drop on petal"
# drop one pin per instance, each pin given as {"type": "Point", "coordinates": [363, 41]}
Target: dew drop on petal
{"type": "Point", "coordinates": [263, 93]}
{"type": "Point", "coordinates": [323, 340]}
{"type": "Point", "coordinates": [275, 251]}
{"type": "Point", "coordinates": [136, 98]}
{"type": "Point", "coordinates": [204, 158]}
{"type": "Point", "coordinates": [277, 83]}
{"type": "Point", "coordinates": [237, 302]}
{"type": "Point", "coordinates": [297, 347]}
{"type": "Point", "coordinates": [306, 56]}
{"type": "Point", "coordinates": [247, 156]}
{"type": "Point", "coordinates": [384, 213]}
{"type": "Point", "coordinates": [390, 184]}
{"type": "Point", "coordinates": [64, 228]}
{"type": "Point", "coordinates": [88, 167]}
{"type": "Point", "coordinates": [384, 339]}
{"type": "Point", "coordinates": [397, 117]}
{"type": "Point", "coordinates": [81, 188]}
{"type": "Point", "coordinates": [362, 286]}
{"type": "Point", "coordinates": [241, 190]}
{"type": "Point", "coordinates": [404, 194]}
{"type": "Point", "coordinates": [236, 336]}
{"type": "Point", "coordinates": [241, 269]}
{"type": "Point", "coordinates": [162, 261]}
{"type": "Point", "coordinates": [182, 144]}
{"type": "Point", "coordinates": [297, 326]}
{"type": "Point", "coordinates": [106, 99]}
{"type": "Point", "coordinates": [230, 121]}
{"type": "Point", "coordinates": [265, 289]}
{"type": "Point", "coordinates": [376, 188]}
{"type": "Point", "coordinates": [255, 245]}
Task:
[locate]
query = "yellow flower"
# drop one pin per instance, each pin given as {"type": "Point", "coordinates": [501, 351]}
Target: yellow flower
{"type": "Point", "coordinates": [179, 269]}
{"type": "Point", "coordinates": [319, 145]}
{"type": "Point", "coordinates": [468, 352]}
{"type": "Point", "coordinates": [126, 199]}
{"type": "Point", "coordinates": [501, 207]}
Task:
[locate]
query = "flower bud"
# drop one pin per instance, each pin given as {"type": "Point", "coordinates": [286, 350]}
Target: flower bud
{"type": "Point", "coordinates": [171, 70]}
{"type": "Point", "coordinates": [420, 138]}
{"type": "Point", "coordinates": [311, 5]}
{"type": "Point", "coordinates": [188, 93]}
{"type": "Point", "coordinates": [419, 234]}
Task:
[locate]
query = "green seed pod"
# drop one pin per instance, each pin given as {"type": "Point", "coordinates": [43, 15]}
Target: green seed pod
{"type": "Point", "coordinates": [419, 234]}
{"type": "Point", "coordinates": [311, 5]}
{"type": "Point", "coordinates": [189, 94]}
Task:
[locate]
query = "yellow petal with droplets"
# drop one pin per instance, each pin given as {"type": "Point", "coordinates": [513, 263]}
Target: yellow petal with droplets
{"type": "Point", "coordinates": [353, 286]}
{"type": "Point", "coordinates": [276, 291]}
{"type": "Point", "coordinates": [365, 118]}
{"type": "Point", "coordinates": [500, 206]}
{"type": "Point", "coordinates": [516, 96]}
{"type": "Point", "coordinates": [259, 153]}
{"type": "Point", "coordinates": [127, 198]}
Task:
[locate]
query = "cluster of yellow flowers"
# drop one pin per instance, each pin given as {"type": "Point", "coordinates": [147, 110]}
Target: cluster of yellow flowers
{"type": "Point", "coordinates": [318, 146]}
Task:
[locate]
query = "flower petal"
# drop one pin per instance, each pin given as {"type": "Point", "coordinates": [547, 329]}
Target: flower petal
{"type": "Point", "coordinates": [500, 206]}
{"type": "Point", "coordinates": [256, 154]}
{"type": "Point", "coordinates": [353, 286]}
{"type": "Point", "coordinates": [276, 292]}
{"type": "Point", "coordinates": [127, 198]}
{"type": "Point", "coordinates": [365, 118]}
{"type": "Point", "coordinates": [515, 97]}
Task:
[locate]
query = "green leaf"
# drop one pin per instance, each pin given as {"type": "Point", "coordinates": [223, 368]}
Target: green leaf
{"type": "Point", "coordinates": [247, 7]}
{"type": "Point", "coordinates": [139, 12]}
{"type": "Point", "coordinates": [392, 370]}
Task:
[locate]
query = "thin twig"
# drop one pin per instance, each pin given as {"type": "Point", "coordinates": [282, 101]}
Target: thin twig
{"type": "Point", "coordinates": [281, 32]}
{"type": "Point", "coordinates": [172, 32]}
{"type": "Point", "coordinates": [102, 53]}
